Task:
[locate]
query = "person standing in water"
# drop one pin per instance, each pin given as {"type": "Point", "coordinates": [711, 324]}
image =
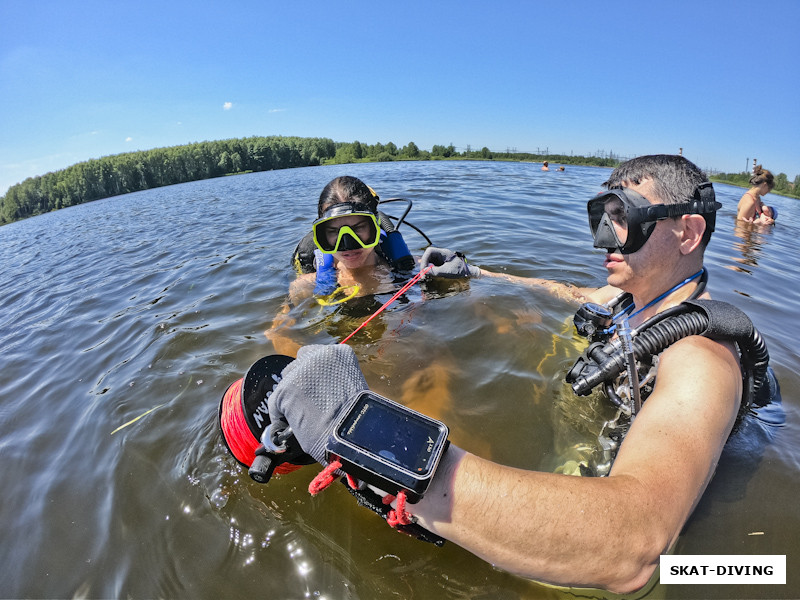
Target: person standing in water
{"type": "Point", "coordinates": [344, 256]}
{"type": "Point", "coordinates": [751, 208]}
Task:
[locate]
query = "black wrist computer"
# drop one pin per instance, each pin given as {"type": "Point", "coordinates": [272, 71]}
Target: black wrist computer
{"type": "Point", "coordinates": [387, 445]}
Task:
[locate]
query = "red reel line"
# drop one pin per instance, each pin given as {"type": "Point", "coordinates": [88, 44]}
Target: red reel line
{"type": "Point", "coordinates": [243, 438]}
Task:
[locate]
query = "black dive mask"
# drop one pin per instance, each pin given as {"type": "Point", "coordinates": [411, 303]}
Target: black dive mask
{"type": "Point", "coordinates": [623, 220]}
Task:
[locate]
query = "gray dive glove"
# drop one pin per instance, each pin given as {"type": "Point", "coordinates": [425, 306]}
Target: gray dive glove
{"type": "Point", "coordinates": [313, 391]}
{"type": "Point", "coordinates": [446, 263]}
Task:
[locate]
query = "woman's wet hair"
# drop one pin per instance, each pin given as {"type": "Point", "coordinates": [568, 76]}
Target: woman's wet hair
{"type": "Point", "coordinates": [675, 179]}
{"type": "Point", "coordinates": [346, 189]}
{"type": "Point", "coordinates": [761, 175]}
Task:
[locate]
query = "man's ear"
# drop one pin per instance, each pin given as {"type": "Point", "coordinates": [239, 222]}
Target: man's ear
{"type": "Point", "coordinates": [694, 226]}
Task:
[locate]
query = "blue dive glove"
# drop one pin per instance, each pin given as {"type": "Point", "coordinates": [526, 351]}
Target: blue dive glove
{"type": "Point", "coordinates": [313, 391]}
{"type": "Point", "coordinates": [446, 263]}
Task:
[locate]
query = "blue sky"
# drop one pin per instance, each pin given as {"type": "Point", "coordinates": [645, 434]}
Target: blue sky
{"type": "Point", "coordinates": [81, 80]}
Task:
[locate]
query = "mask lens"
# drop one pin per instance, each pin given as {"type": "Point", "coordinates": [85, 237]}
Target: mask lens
{"type": "Point", "coordinates": [352, 231]}
{"type": "Point", "coordinates": [608, 220]}
{"type": "Point", "coordinates": [615, 209]}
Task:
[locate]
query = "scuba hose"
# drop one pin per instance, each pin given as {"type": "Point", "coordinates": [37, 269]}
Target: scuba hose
{"type": "Point", "coordinates": [603, 363]}
{"type": "Point", "coordinates": [625, 334]}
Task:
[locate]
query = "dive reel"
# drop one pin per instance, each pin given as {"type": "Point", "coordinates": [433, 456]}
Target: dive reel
{"type": "Point", "coordinates": [244, 416]}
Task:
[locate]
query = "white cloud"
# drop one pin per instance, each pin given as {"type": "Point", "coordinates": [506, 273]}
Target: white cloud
{"type": "Point", "coordinates": [128, 139]}
{"type": "Point", "coordinates": [227, 106]}
{"type": "Point", "coordinates": [274, 110]}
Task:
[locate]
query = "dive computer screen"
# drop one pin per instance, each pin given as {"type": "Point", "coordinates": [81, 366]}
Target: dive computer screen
{"type": "Point", "coordinates": [399, 436]}
{"type": "Point", "coordinates": [385, 444]}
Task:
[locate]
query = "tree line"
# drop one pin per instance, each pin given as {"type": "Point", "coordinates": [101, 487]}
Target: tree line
{"type": "Point", "coordinates": [136, 171]}
{"type": "Point", "coordinates": [359, 152]}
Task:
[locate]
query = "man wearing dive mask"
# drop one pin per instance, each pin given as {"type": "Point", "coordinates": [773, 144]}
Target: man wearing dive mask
{"type": "Point", "coordinates": [605, 532]}
{"type": "Point", "coordinates": [623, 220]}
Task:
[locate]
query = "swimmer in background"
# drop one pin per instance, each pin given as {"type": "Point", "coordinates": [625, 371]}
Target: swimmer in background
{"type": "Point", "coordinates": [768, 215]}
{"type": "Point", "coordinates": [545, 166]}
{"type": "Point", "coordinates": [751, 208]}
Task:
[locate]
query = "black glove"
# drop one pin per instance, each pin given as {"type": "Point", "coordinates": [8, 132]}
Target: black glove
{"type": "Point", "coordinates": [313, 391]}
{"type": "Point", "coordinates": [446, 263]}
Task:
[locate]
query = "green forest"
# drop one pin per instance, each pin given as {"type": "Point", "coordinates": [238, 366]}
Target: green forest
{"type": "Point", "coordinates": [135, 171]}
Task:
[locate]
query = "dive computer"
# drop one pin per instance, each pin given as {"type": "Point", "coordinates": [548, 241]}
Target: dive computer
{"type": "Point", "coordinates": [388, 445]}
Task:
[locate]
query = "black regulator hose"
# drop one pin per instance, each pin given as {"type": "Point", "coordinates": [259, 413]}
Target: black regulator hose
{"type": "Point", "coordinates": [710, 318]}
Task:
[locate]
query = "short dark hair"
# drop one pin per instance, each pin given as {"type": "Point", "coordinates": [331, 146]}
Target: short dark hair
{"type": "Point", "coordinates": [347, 189]}
{"type": "Point", "coordinates": [675, 180]}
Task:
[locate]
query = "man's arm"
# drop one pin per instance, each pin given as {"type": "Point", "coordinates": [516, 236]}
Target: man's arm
{"type": "Point", "coordinates": [599, 532]}
{"type": "Point", "coordinates": [558, 289]}
{"type": "Point", "coordinates": [453, 265]}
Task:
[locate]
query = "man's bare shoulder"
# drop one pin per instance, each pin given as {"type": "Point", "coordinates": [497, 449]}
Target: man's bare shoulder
{"type": "Point", "coordinates": [698, 380]}
{"type": "Point", "coordinates": [675, 441]}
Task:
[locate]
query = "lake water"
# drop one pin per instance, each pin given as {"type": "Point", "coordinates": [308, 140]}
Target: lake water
{"type": "Point", "coordinates": [157, 301]}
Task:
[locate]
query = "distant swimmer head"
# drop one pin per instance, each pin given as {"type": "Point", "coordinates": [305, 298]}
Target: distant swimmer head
{"type": "Point", "coordinates": [762, 177]}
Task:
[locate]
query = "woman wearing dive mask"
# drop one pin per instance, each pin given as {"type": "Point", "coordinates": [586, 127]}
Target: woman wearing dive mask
{"type": "Point", "coordinates": [349, 231]}
{"type": "Point", "coordinates": [344, 254]}
{"type": "Point", "coordinates": [346, 236]}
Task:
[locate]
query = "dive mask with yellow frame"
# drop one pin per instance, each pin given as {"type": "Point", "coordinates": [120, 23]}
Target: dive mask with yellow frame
{"type": "Point", "coordinates": [330, 239]}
